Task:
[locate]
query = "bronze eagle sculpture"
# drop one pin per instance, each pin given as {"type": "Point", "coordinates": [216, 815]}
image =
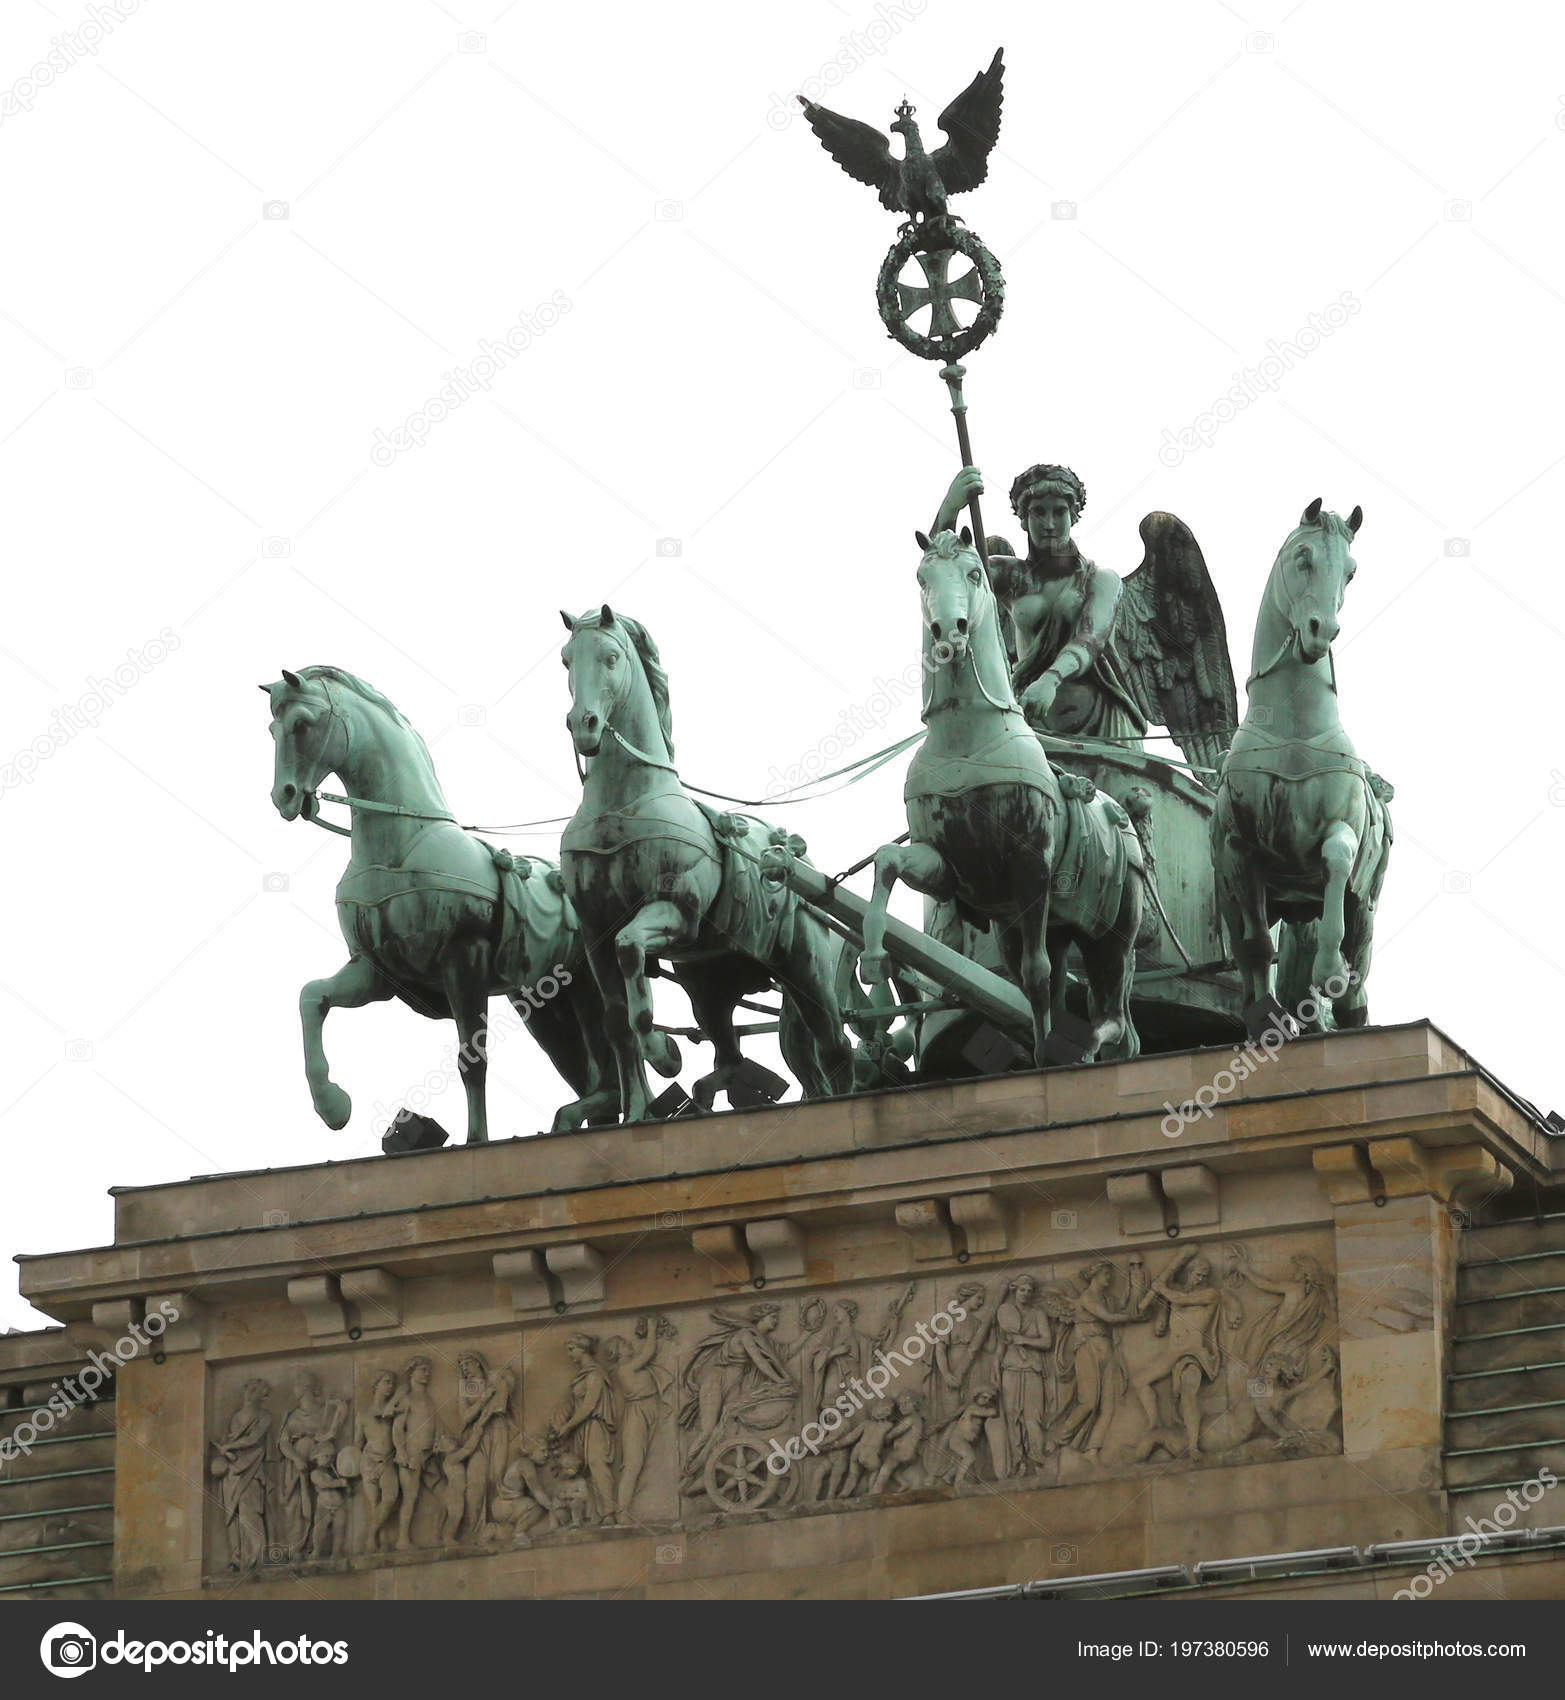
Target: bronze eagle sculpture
{"type": "Point", "coordinates": [919, 182]}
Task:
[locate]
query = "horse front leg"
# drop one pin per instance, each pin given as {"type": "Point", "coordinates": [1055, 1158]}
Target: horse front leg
{"type": "Point", "coordinates": [1339, 851]}
{"type": "Point", "coordinates": [1241, 901]}
{"type": "Point", "coordinates": [351, 987]}
{"type": "Point", "coordinates": [918, 865]}
{"type": "Point", "coordinates": [618, 1032]}
{"type": "Point", "coordinates": [466, 982]}
{"type": "Point", "coordinates": [655, 928]}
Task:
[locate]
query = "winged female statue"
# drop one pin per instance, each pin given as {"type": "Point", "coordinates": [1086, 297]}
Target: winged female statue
{"type": "Point", "coordinates": [1099, 657]}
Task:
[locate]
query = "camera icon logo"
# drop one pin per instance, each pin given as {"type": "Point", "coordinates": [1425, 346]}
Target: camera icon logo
{"type": "Point", "coordinates": [1458, 548]}
{"type": "Point", "coordinates": [1064, 1555]}
{"type": "Point", "coordinates": [78, 1050]}
{"type": "Point", "coordinates": [867, 378]}
{"type": "Point", "coordinates": [274, 1218]}
{"type": "Point", "coordinates": [671, 1219]}
{"type": "Point", "coordinates": [276, 548]}
{"type": "Point", "coordinates": [1457, 883]}
{"type": "Point", "coordinates": [1259, 41]}
{"type": "Point", "coordinates": [669, 548]}
{"type": "Point", "coordinates": [1062, 210]}
{"type": "Point", "coordinates": [471, 714]}
{"type": "Point", "coordinates": [78, 378]}
{"type": "Point", "coordinates": [68, 1649]}
{"type": "Point", "coordinates": [472, 41]}
{"type": "Point", "coordinates": [274, 212]}
{"type": "Point", "coordinates": [274, 882]}
{"type": "Point", "coordinates": [669, 212]}
{"type": "Point", "coordinates": [1459, 212]}
{"type": "Point", "coordinates": [1063, 1221]}
{"type": "Point", "coordinates": [669, 1554]}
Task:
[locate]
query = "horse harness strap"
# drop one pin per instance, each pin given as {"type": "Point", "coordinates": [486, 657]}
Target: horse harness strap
{"type": "Point", "coordinates": [1295, 758]}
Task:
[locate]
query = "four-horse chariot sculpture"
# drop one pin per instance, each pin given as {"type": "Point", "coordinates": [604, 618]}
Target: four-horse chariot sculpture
{"type": "Point", "coordinates": [1086, 897]}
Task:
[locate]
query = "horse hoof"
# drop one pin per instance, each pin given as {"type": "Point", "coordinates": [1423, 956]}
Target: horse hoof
{"type": "Point", "coordinates": [662, 1054]}
{"type": "Point", "coordinates": [334, 1107]}
{"type": "Point", "coordinates": [873, 970]}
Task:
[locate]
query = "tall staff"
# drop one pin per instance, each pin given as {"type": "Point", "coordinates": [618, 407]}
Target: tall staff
{"type": "Point", "coordinates": [933, 239]}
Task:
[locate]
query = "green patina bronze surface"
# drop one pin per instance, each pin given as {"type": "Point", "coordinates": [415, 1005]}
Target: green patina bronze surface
{"type": "Point", "coordinates": [431, 914]}
{"type": "Point", "coordinates": [990, 820]}
{"type": "Point", "coordinates": [1301, 834]}
{"type": "Point", "coordinates": [1035, 808]}
{"type": "Point", "coordinates": [656, 875]}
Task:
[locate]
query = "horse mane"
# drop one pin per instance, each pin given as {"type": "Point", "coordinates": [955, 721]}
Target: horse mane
{"type": "Point", "coordinates": [359, 687]}
{"type": "Point", "coordinates": [366, 692]}
{"type": "Point", "coordinates": [651, 665]}
{"type": "Point", "coordinates": [947, 546]}
{"type": "Point", "coordinates": [1332, 525]}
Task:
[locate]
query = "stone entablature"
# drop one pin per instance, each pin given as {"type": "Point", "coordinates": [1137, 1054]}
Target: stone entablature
{"type": "Point", "coordinates": [540, 1357]}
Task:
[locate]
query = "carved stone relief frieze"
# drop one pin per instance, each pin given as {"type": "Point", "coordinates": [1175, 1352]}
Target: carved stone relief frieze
{"type": "Point", "coordinates": [1208, 1353]}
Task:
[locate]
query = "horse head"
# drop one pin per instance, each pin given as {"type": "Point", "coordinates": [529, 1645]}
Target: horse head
{"type": "Point", "coordinates": [954, 590]}
{"type": "Point", "coordinates": [310, 739]}
{"type": "Point", "coordinates": [610, 658]}
{"type": "Point", "coordinates": [1310, 577]}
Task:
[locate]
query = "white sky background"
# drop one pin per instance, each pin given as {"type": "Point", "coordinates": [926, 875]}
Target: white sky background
{"type": "Point", "coordinates": [720, 378]}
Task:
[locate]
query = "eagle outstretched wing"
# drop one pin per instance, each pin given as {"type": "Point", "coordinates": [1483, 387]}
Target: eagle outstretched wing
{"type": "Point", "coordinates": [1174, 645]}
{"type": "Point", "coordinates": [860, 149]}
{"type": "Point", "coordinates": [972, 126]}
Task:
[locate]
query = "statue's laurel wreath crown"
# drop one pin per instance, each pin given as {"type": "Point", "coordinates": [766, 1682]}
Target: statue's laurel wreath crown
{"type": "Point", "coordinates": [1036, 478]}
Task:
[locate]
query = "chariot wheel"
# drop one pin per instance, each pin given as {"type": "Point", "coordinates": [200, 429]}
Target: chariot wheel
{"type": "Point", "coordinates": [737, 1478]}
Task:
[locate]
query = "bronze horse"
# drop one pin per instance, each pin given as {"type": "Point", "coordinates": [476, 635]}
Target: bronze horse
{"type": "Point", "coordinates": [432, 915]}
{"type": "Point", "coordinates": [1301, 832]}
{"type": "Point", "coordinates": [1041, 857]}
{"type": "Point", "coordinates": [655, 874]}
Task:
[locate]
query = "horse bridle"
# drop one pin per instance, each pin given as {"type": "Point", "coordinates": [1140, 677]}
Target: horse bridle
{"type": "Point", "coordinates": [634, 656]}
{"type": "Point", "coordinates": [310, 808]}
{"type": "Point", "coordinates": [1290, 645]}
{"type": "Point", "coordinates": [972, 659]}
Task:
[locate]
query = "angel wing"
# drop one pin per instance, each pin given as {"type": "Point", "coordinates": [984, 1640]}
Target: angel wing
{"type": "Point", "coordinates": [972, 126]}
{"type": "Point", "coordinates": [1174, 645]}
{"type": "Point", "coordinates": [860, 149]}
